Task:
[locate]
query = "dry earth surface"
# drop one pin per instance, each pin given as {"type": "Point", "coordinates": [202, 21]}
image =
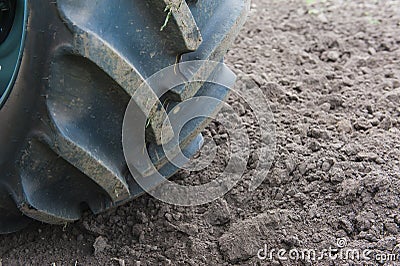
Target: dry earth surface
{"type": "Point", "coordinates": [331, 73]}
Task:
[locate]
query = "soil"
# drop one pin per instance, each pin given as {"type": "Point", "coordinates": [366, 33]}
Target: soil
{"type": "Point", "coordinates": [331, 73]}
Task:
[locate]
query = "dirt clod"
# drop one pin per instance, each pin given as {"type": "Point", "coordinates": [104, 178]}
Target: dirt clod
{"type": "Point", "coordinates": [100, 245]}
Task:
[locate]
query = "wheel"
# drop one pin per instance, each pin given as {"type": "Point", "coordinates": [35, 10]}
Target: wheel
{"type": "Point", "coordinates": [68, 71]}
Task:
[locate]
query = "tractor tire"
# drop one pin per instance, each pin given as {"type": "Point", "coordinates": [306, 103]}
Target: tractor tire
{"type": "Point", "coordinates": [67, 72]}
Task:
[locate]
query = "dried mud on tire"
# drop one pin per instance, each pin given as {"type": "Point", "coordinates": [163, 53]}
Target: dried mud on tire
{"type": "Point", "coordinates": [331, 73]}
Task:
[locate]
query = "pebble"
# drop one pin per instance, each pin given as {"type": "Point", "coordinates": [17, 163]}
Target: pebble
{"type": "Point", "coordinates": [397, 219]}
{"type": "Point", "coordinates": [290, 165]}
{"type": "Point", "coordinates": [325, 107]}
{"type": "Point", "coordinates": [367, 156]}
{"type": "Point", "coordinates": [303, 168]}
{"type": "Point", "coordinates": [349, 191]}
{"type": "Point", "coordinates": [100, 245]}
{"type": "Point", "coordinates": [322, 18]}
{"type": "Point", "coordinates": [177, 216]}
{"type": "Point", "coordinates": [391, 228]}
{"type": "Point", "coordinates": [314, 132]}
{"type": "Point", "coordinates": [351, 149]}
{"type": "Point", "coordinates": [336, 174]}
{"type": "Point", "coordinates": [292, 97]}
{"type": "Point", "coordinates": [142, 217]}
{"type": "Point", "coordinates": [292, 241]}
{"type": "Point", "coordinates": [362, 124]}
{"type": "Point", "coordinates": [169, 217]}
{"type": "Point", "coordinates": [386, 123]}
{"type": "Point", "coordinates": [363, 221]}
{"type": "Point", "coordinates": [371, 50]}
{"type": "Point", "coordinates": [396, 84]}
{"type": "Point", "coordinates": [374, 122]}
{"type": "Point", "coordinates": [346, 225]}
{"type": "Point", "coordinates": [218, 213]}
{"type": "Point", "coordinates": [189, 229]}
{"type": "Point", "coordinates": [333, 55]}
{"type": "Point", "coordinates": [327, 165]}
{"type": "Point", "coordinates": [315, 146]}
{"type": "Point", "coordinates": [371, 237]}
{"type": "Point", "coordinates": [335, 100]}
{"type": "Point", "coordinates": [344, 126]}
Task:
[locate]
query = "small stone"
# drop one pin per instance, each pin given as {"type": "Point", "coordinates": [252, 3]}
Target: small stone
{"type": "Point", "coordinates": [370, 237]}
{"type": "Point", "coordinates": [220, 139]}
{"type": "Point", "coordinates": [272, 90]}
{"type": "Point", "coordinates": [290, 165]}
{"type": "Point", "coordinates": [348, 82]}
{"type": "Point", "coordinates": [292, 97]}
{"type": "Point", "coordinates": [379, 160]}
{"type": "Point", "coordinates": [344, 126]}
{"type": "Point", "coordinates": [330, 75]}
{"type": "Point", "coordinates": [335, 100]}
{"type": "Point", "coordinates": [362, 124]}
{"type": "Point", "coordinates": [224, 136]}
{"type": "Point", "coordinates": [346, 225]}
{"type": "Point", "coordinates": [391, 228]}
{"type": "Point", "coordinates": [303, 168]}
{"type": "Point", "coordinates": [292, 241]}
{"type": "Point", "coordinates": [189, 229]}
{"type": "Point", "coordinates": [322, 18]}
{"type": "Point", "coordinates": [279, 195]}
{"type": "Point", "coordinates": [177, 216]}
{"type": "Point", "coordinates": [349, 191]}
{"type": "Point", "coordinates": [333, 55]}
{"type": "Point", "coordinates": [169, 217]}
{"type": "Point", "coordinates": [367, 156]}
{"type": "Point", "coordinates": [363, 221]}
{"type": "Point", "coordinates": [137, 229]}
{"type": "Point", "coordinates": [300, 197]}
{"type": "Point", "coordinates": [314, 132]}
{"type": "Point", "coordinates": [142, 217]}
{"type": "Point", "coordinates": [298, 87]}
{"type": "Point", "coordinates": [100, 245]}
{"type": "Point", "coordinates": [396, 84]}
{"type": "Point", "coordinates": [371, 50]}
{"type": "Point", "coordinates": [325, 107]}
{"type": "Point", "coordinates": [365, 70]}
{"type": "Point", "coordinates": [337, 145]}
{"type": "Point", "coordinates": [218, 213]}
{"type": "Point", "coordinates": [374, 122]}
{"type": "Point", "coordinates": [327, 164]}
{"type": "Point", "coordinates": [121, 262]}
{"type": "Point", "coordinates": [397, 219]}
{"type": "Point", "coordinates": [386, 123]}
{"type": "Point", "coordinates": [336, 174]}
{"type": "Point", "coordinates": [284, 82]}
{"type": "Point", "coordinates": [315, 146]}
{"type": "Point", "coordinates": [351, 149]}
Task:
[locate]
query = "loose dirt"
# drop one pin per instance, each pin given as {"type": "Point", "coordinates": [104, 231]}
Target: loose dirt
{"type": "Point", "coordinates": [330, 71]}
